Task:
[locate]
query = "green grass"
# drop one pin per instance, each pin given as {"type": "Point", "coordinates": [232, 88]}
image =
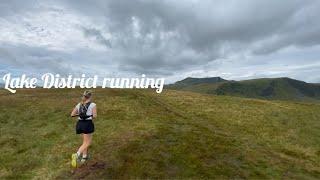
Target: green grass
{"type": "Point", "coordinates": [141, 134]}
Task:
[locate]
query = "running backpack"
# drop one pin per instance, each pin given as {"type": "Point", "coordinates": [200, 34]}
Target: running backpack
{"type": "Point", "coordinates": [83, 111]}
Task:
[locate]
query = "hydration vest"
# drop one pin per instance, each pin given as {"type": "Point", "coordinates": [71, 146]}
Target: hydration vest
{"type": "Point", "coordinates": [83, 111]}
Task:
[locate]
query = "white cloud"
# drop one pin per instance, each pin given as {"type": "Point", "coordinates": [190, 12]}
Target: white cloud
{"type": "Point", "coordinates": [53, 28]}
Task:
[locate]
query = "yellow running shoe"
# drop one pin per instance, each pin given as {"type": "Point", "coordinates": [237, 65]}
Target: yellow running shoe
{"type": "Point", "coordinates": [74, 160]}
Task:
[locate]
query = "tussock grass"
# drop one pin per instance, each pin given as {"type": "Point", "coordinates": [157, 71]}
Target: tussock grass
{"type": "Point", "coordinates": [140, 134]}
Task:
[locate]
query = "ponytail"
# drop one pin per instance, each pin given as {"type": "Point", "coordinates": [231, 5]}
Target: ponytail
{"type": "Point", "coordinates": [85, 97]}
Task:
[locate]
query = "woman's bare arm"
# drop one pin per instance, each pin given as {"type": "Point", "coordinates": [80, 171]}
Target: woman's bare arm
{"type": "Point", "coordinates": [74, 112]}
{"type": "Point", "coordinates": [94, 112]}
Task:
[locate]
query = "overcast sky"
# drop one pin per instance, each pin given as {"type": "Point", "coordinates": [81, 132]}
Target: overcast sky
{"type": "Point", "coordinates": [174, 39]}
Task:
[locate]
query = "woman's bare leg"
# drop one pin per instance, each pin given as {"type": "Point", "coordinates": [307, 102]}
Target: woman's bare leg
{"type": "Point", "coordinates": [86, 143]}
{"type": "Point", "coordinates": [87, 139]}
{"type": "Point", "coordinates": [83, 145]}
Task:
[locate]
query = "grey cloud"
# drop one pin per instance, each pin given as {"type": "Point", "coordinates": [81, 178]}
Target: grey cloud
{"type": "Point", "coordinates": [207, 28]}
{"type": "Point", "coordinates": [91, 32]}
{"type": "Point", "coordinates": [32, 58]}
{"type": "Point", "coordinates": [171, 37]}
{"type": "Point", "coordinates": [8, 8]}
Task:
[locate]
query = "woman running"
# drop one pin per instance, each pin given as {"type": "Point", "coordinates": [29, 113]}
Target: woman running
{"type": "Point", "coordinates": [86, 111]}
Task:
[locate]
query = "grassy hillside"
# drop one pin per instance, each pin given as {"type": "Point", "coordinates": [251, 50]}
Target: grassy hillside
{"type": "Point", "coordinates": [277, 88]}
{"type": "Point", "coordinates": [200, 85]}
{"type": "Point", "coordinates": [265, 88]}
{"type": "Point", "coordinates": [140, 134]}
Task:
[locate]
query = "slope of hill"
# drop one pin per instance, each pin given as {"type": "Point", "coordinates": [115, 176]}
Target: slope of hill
{"type": "Point", "coordinates": [177, 134]}
{"type": "Point", "coordinates": [276, 88]}
{"type": "Point", "coordinates": [200, 85]}
{"type": "Point", "coordinates": [266, 88]}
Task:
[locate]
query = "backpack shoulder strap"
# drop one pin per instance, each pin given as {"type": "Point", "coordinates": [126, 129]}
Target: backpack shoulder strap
{"type": "Point", "coordinates": [87, 105]}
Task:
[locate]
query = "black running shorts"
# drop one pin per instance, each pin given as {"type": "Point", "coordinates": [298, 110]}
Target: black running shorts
{"type": "Point", "coordinates": [84, 127]}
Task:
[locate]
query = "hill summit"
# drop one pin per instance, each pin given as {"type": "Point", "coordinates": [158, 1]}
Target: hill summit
{"type": "Point", "coordinates": [193, 81]}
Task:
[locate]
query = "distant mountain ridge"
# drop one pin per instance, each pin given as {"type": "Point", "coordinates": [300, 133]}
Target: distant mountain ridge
{"type": "Point", "coordinates": [265, 88]}
{"type": "Point", "coordinates": [200, 85]}
{"type": "Point", "coordinates": [193, 81]}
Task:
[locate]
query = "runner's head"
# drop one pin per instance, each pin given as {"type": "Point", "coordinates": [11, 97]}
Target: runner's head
{"type": "Point", "coordinates": [86, 95]}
